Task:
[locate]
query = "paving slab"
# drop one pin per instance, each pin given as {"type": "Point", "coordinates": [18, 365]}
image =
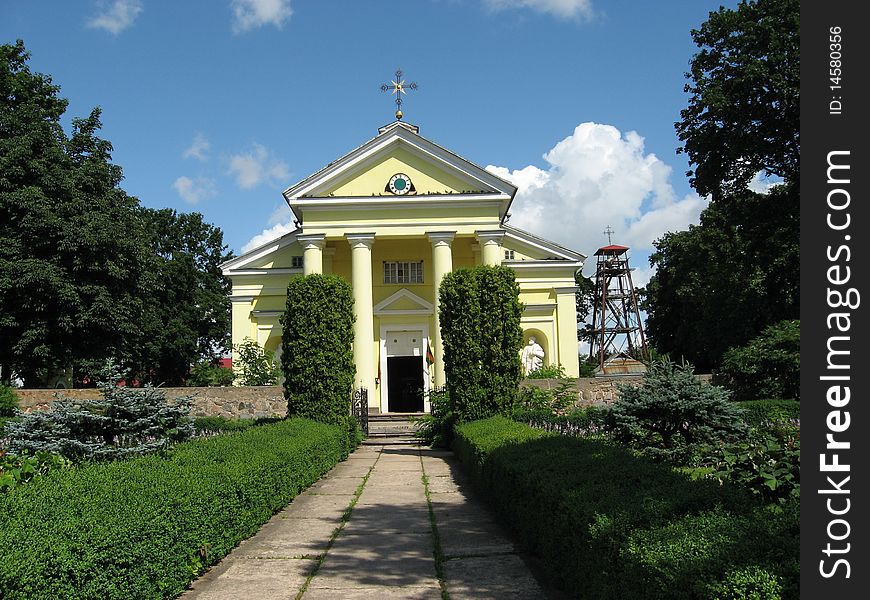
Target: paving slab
{"type": "Point", "coordinates": [386, 547]}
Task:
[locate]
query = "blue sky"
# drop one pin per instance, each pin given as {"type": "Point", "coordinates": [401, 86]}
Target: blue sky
{"type": "Point", "coordinates": [217, 106]}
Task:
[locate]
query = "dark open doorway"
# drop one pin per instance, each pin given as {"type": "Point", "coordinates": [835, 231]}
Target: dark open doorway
{"type": "Point", "coordinates": [405, 388]}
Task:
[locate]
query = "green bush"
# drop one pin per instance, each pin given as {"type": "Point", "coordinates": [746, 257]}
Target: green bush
{"type": "Point", "coordinates": [255, 365]}
{"type": "Point", "coordinates": [480, 314]}
{"type": "Point", "coordinates": [548, 372]}
{"type": "Point", "coordinates": [18, 470]}
{"type": "Point", "coordinates": [220, 424]}
{"type": "Point", "coordinates": [588, 421]}
{"type": "Point", "coordinates": [208, 374]}
{"type": "Point", "coordinates": [672, 412]}
{"type": "Point", "coordinates": [436, 428]}
{"type": "Point", "coordinates": [764, 412]}
{"type": "Point", "coordinates": [146, 527]}
{"type": "Point", "coordinates": [8, 401]}
{"type": "Point", "coordinates": [608, 524]}
{"type": "Point", "coordinates": [317, 358]}
{"type": "Point", "coordinates": [767, 367]}
{"type": "Point", "coordinates": [123, 422]}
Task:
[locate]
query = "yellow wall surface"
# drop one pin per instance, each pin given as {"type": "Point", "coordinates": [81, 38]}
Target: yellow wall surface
{"type": "Point", "coordinates": [426, 177]}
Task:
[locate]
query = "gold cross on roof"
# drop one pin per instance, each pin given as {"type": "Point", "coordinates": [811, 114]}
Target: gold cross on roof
{"type": "Point", "coordinates": [398, 87]}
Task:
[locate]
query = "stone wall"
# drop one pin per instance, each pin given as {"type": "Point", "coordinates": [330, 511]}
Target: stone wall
{"type": "Point", "coordinates": [594, 390]}
{"type": "Point", "coordinates": [268, 401]}
{"type": "Point", "coordinates": [229, 402]}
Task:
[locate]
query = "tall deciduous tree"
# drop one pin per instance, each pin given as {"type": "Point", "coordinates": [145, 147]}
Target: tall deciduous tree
{"type": "Point", "coordinates": [186, 317]}
{"type": "Point", "coordinates": [720, 283]}
{"type": "Point", "coordinates": [70, 249]}
{"type": "Point", "coordinates": [744, 111]}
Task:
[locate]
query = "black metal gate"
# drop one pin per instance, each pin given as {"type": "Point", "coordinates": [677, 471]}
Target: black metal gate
{"type": "Point", "coordinates": [360, 408]}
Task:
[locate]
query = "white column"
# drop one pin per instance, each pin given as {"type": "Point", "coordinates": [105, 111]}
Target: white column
{"type": "Point", "coordinates": [312, 256]}
{"type": "Point", "coordinates": [363, 326]}
{"type": "Point", "coordinates": [490, 244]}
{"type": "Point", "coordinates": [442, 263]}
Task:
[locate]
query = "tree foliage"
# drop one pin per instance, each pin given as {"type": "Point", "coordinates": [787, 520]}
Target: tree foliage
{"type": "Point", "coordinates": [317, 357]}
{"type": "Point", "coordinates": [70, 249]}
{"type": "Point", "coordinates": [187, 316]}
{"type": "Point", "coordinates": [255, 365]}
{"type": "Point", "coordinates": [86, 274]}
{"type": "Point", "coordinates": [767, 367]}
{"type": "Point", "coordinates": [744, 111]}
{"type": "Point", "coordinates": [720, 283]}
{"type": "Point", "coordinates": [480, 324]}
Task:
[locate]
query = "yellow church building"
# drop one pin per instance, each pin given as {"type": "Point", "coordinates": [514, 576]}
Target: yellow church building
{"type": "Point", "coordinates": [393, 217]}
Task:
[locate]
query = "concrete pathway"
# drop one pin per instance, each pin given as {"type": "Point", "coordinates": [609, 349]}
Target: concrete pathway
{"type": "Point", "coordinates": [389, 522]}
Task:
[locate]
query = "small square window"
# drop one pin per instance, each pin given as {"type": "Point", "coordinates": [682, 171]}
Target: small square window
{"type": "Point", "coordinates": [296, 262]}
{"type": "Point", "coordinates": [508, 254]}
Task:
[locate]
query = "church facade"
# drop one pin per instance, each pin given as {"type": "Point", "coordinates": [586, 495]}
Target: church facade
{"type": "Point", "coordinates": [393, 217]}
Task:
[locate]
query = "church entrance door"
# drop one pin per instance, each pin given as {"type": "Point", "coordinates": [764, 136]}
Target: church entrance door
{"type": "Point", "coordinates": [404, 371]}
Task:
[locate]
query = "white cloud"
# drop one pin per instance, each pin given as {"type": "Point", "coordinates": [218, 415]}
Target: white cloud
{"type": "Point", "coordinates": [198, 148]}
{"type": "Point", "coordinates": [249, 14]}
{"type": "Point", "coordinates": [281, 214]}
{"type": "Point", "coordinates": [563, 9]}
{"type": "Point", "coordinates": [597, 177]}
{"type": "Point", "coordinates": [252, 168]}
{"type": "Point", "coordinates": [267, 236]}
{"type": "Point", "coordinates": [193, 191]}
{"type": "Point", "coordinates": [117, 16]}
{"type": "Point", "coordinates": [761, 183]}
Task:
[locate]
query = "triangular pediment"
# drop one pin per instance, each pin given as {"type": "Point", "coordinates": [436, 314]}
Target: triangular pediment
{"type": "Point", "coordinates": [366, 171]}
{"type": "Point", "coordinates": [403, 302]}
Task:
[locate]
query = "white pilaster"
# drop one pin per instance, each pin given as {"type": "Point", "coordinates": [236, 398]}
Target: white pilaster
{"type": "Point", "coordinates": [442, 263]}
{"type": "Point", "coordinates": [363, 326]}
{"type": "Point", "coordinates": [490, 243]}
{"type": "Point", "coordinates": [312, 255]}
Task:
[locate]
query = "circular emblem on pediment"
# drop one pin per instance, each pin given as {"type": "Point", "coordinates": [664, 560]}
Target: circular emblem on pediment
{"type": "Point", "coordinates": [400, 184]}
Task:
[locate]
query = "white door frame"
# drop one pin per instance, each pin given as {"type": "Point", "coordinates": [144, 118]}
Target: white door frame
{"type": "Point", "coordinates": [423, 328]}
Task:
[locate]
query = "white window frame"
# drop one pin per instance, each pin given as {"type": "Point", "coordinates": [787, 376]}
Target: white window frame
{"type": "Point", "coordinates": [398, 272]}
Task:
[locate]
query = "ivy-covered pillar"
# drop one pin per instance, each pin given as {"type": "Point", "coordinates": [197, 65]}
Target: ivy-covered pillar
{"type": "Point", "coordinates": [312, 252]}
{"type": "Point", "coordinates": [442, 263]}
{"type": "Point", "coordinates": [490, 244]}
{"type": "Point", "coordinates": [363, 326]}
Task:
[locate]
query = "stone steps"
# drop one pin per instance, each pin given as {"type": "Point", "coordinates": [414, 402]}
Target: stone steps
{"type": "Point", "coordinates": [392, 428]}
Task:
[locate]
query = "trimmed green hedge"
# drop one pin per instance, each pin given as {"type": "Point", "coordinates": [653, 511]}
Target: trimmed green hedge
{"type": "Point", "coordinates": [610, 524]}
{"type": "Point", "coordinates": [146, 527]}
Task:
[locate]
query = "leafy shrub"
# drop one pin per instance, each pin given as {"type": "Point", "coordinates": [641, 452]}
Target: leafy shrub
{"type": "Point", "coordinates": [764, 412]}
{"type": "Point", "coordinates": [588, 421]}
{"type": "Point", "coordinates": [436, 428]}
{"type": "Point", "coordinates": [607, 523]}
{"type": "Point", "coordinates": [672, 412]}
{"type": "Point", "coordinates": [317, 357]}
{"type": "Point", "coordinates": [554, 400]}
{"type": "Point", "coordinates": [767, 367]}
{"type": "Point", "coordinates": [255, 365]}
{"type": "Point", "coordinates": [480, 314]}
{"type": "Point", "coordinates": [123, 422]}
{"type": "Point", "coordinates": [18, 470]}
{"type": "Point", "coordinates": [8, 401]}
{"type": "Point", "coordinates": [207, 374]}
{"type": "Point", "coordinates": [220, 424]}
{"type": "Point", "coordinates": [146, 527]}
{"type": "Point", "coordinates": [749, 583]}
{"type": "Point", "coordinates": [548, 372]}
